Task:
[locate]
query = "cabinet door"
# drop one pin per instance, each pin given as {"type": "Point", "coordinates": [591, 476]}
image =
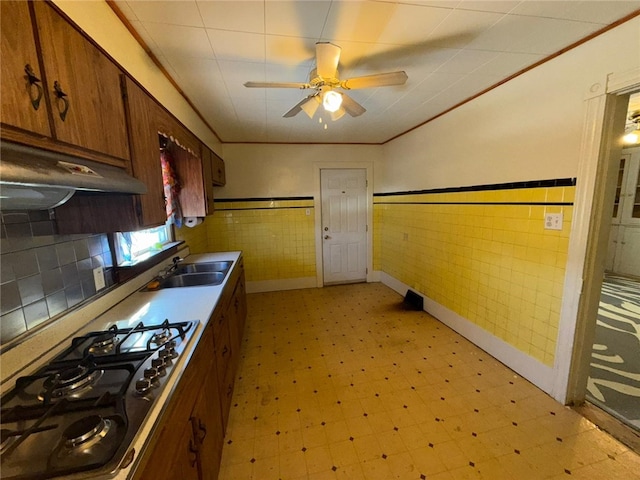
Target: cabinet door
{"type": "Point", "coordinates": [22, 97]}
{"type": "Point", "coordinates": [174, 454]}
{"type": "Point", "coordinates": [145, 153]}
{"type": "Point", "coordinates": [207, 429]}
{"type": "Point", "coordinates": [219, 176]}
{"type": "Point", "coordinates": [207, 171]}
{"type": "Point", "coordinates": [628, 253]}
{"type": "Point", "coordinates": [84, 87]}
{"type": "Point", "coordinates": [192, 188]}
{"type": "Point", "coordinates": [224, 369]}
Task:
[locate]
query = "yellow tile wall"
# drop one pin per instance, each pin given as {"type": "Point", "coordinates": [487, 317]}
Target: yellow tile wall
{"type": "Point", "coordinates": [276, 237]}
{"type": "Point", "coordinates": [483, 256]}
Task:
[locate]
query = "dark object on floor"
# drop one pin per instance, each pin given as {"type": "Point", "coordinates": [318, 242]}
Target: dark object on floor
{"type": "Point", "coordinates": [413, 301]}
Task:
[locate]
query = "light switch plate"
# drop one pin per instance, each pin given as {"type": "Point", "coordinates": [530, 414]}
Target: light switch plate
{"type": "Point", "coordinates": [553, 221]}
{"type": "Point", "coordinates": [98, 278]}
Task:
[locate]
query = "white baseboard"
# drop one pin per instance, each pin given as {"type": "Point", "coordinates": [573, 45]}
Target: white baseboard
{"type": "Point", "coordinates": [533, 370]}
{"type": "Point", "coordinates": [283, 284]}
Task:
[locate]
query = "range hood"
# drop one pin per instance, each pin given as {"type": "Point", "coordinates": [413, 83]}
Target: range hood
{"type": "Point", "coordinates": [33, 179]}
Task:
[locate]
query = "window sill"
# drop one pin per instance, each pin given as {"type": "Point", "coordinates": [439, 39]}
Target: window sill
{"type": "Point", "coordinates": [123, 273]}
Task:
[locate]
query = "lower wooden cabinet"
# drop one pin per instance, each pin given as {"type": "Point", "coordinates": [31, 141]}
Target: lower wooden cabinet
{"type": "Point", "coordinates": [207, 432]}
{"type": "Point", "coordinates": [188, 442]}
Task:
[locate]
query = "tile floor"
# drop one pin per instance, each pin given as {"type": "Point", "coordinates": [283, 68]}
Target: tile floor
{"type": "Point", "coordinates": [342, 383]}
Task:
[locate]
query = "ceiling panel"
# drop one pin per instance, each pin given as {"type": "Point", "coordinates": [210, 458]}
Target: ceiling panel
{"type": "Point", "coordinates": [450, 50]}
{"type": "Point", "coordinates": [231, 16]}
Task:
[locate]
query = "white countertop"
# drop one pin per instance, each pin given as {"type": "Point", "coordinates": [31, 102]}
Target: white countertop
{"type": "Point", "coordinates": [127, 306]}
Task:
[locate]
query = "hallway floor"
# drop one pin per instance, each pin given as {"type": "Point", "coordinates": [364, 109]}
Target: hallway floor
{"type": "Point", "coordinates": [342, 383]}
{"type": "Point", "coordinates": [614, 381]}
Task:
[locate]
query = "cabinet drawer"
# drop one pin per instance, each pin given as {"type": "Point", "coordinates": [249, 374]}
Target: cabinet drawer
{"type": "Point", "coordinates": [226, 395]}
{"type": "Point", "coordinates": [223, 352]}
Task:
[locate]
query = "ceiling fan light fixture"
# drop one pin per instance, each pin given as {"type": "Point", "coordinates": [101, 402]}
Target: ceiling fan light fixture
{"type": "Point", "coordinates": [632, 138]}
{"type": "Point", "coordinates": [331, 101]}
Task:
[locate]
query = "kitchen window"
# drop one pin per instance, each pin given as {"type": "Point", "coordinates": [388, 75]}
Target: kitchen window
{"type": "Point", "coordinates": [135, 247]}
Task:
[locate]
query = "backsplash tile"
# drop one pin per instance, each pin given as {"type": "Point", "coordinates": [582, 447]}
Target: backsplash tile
{"type": "Point", "coordinates": [44, 274]}
{"type": "Point", "coordinates": [276, 236]}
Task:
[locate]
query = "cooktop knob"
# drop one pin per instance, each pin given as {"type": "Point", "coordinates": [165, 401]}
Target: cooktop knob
{"type": "Point", "coordinates": [158, 364]}
{"type": "Point", "coordinates": [165, 355]}
{"type": "Point", "coordinates": [172, 351]}
{"type": "Point", "coordinates": [151, 374]}
{"type": "Point", "coordinates": [143, 386]}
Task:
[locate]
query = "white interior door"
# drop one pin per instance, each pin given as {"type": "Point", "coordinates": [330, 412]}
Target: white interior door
{"type": "Point", "coordinates": [344, 225]}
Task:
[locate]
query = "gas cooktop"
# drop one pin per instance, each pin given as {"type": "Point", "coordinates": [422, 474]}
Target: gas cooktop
{"type": "Point", "coordinates": [78, 415]}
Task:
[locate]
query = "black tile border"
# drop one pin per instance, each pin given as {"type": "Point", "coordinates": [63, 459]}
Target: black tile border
{"type": "Point", "coordinates": [556, 182]}
{"type": "Point", "coordinates": [257, 199]}
{"type": "Point", "coordinates": [260, 199]}
{"type": "Point", "coordinates": [556, 204]}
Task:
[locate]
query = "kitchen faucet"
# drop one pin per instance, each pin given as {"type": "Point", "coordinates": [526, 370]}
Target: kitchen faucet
{"type": "Point", "coordinates": [164, 273]}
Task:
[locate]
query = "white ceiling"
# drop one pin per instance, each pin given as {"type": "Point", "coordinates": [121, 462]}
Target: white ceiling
{"type": "Point", "coordinates": [450, 49]}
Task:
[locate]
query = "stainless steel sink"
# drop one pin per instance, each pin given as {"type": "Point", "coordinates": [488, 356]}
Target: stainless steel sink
{"type": "Point", "coordinates": [203, 267]}
{"type": "Point", "coordinates": [192, 279]}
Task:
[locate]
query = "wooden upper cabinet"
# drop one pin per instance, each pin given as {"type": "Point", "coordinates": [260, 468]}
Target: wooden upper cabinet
{"type": "Point", "coordinates": [207, 172]}
{"type": "Point", "coordinates": [186, 151]}
{"type": "Point", "coordinates": [83, 87]}
{"type": "Point", "coordinates": [218, 173]}
{"type": "Point", "coordinates": [142, 112]}
{"type": "Point", "coordinates": [21, 80]}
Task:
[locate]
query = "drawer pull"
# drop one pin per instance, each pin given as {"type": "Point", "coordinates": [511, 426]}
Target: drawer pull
{"type": "Point", "coordinates": [33, 82]}
{"type": "Point", "coordinates": [61, 97]}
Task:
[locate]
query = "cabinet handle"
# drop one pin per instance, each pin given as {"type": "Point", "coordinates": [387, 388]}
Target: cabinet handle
{"type": "Point", "coordinates": [194, 451]}
{"type": "Point", "coordinates": [61, 96]}
{"type": "Point", "coordinates": [33, 82]}
{"type": "Point", "coordinates": [203, 431]}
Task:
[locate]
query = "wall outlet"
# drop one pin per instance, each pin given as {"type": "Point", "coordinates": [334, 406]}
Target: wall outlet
{"type": "Point", "coordinates": [98, 278]}
{"type": "Point", "coordinates": [553, 221]}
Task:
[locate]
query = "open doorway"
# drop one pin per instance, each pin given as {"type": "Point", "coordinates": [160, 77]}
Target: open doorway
{"type": "Point", "coordinates": [614, 379]}
{"type": "Point", "coordinates": [607, 375]}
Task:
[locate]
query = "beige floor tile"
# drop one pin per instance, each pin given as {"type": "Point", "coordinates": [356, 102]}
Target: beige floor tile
{"type": "Point", "coordinates": [340, 383]}
{"type": "Point", "coordinates": [318, 459]}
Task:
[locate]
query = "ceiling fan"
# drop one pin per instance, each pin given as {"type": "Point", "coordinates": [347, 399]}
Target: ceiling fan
{"type": "Point", "coordinates": [324, 80]}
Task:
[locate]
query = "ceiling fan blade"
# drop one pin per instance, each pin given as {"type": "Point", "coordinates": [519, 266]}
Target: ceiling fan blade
{"type": "Point", "coordinates": [310, 107]}
{"type": "Point", "coordinates": [301, 86]}
{"type": "Point", "coordinates": [300, 106]}
{"type": "Point", "coordinates": [327, 58]}
{"type": "Point", "coordinates": [337, 115]}
{"type": "Point", "coordinates": [378, 80]}
{"type": "Point", "coordinates": [352, 107]}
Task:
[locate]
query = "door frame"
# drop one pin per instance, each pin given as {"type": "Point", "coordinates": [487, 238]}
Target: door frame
{"type": "Point", "coordinates": [317, 201]}
{"type": "Point", "coordinates": [605, 108]}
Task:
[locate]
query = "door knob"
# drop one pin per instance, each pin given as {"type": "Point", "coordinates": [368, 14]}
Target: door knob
{"type": "Point", "coordinates": [327, 237]}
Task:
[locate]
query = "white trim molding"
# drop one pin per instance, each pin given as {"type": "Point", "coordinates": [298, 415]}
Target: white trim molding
{"type": "Point", "coordinates": [281, 284]}
{"type": "Point", "coordinates": [605, 103]}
